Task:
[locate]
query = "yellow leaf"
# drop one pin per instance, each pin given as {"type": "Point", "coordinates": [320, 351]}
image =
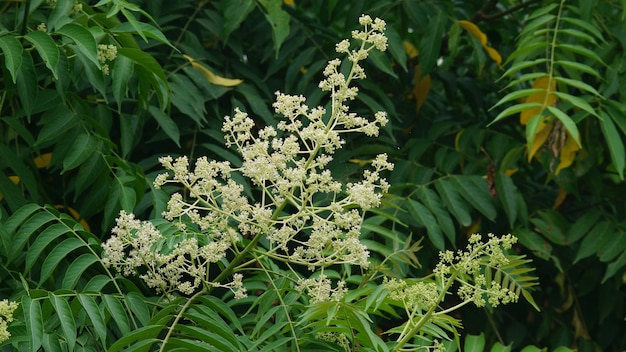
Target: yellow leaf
{"type": "Point", "coordinates": [545, 98]}
{"type": "Point", "coordinates": [494, 55]}
{"type": "Point", "coordinates": [475, 32]}
{"type": "Point", "coordinates": [75, 215]}
{"type": "Point", "coordinates": [540, 138]}
{"type": "Point", "coordinates": [421, 87]}
{"type": "Point", "coordinates": [410, 49]}
{"type": "Point", "coordinates": [473, 228]}
{"type": "Point", "coordinates": [567, 154]}
{"type": "Point", "coordinates": [15, 180]}
{"type": "Point", "coordinates": [457, 140]}
{"type": "Point", "coordinates": [291, 3]}
{"type": "Point", "coordinates": [560, 197]}
{"type": "Point", "coordinates": [43, 160]}
{"type": "Point", "coordinates": [212, 77]}
{"type": "Point", "coordinates": [510, 172]}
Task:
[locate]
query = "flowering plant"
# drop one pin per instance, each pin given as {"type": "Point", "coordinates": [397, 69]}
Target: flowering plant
{"type": "Point", "coordinates": [297, 216]}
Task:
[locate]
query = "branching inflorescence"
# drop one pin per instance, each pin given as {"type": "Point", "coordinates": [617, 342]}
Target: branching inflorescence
{"type": "Point", "coordinates": [305, 215]}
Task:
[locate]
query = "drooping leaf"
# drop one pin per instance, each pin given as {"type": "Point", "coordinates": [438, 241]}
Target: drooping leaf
{"type": "Point", "coordinates": [426, 218]}
{"type": "Point", "coordinates": [66, 318]}
{"type": "Point", "coordinates": [56, 255]}
{"type": "Point", "coordinates": [614, 142]}
{"type": "Point", "coordinates": [95, 316]}
{"type": "Point", "coordinates": [34, 322]}
{"type": "Point", "coordinates": [166, 123]}
{"type": "Point", "coordinates": [451, 198]}
{"type": "Point", "coordinates": [476, 192]}
{"type": "Point", "coordinates": [278, 20]}
{"type": "Point", "coordinates": [47, 49]}
{"type": "Point", "coordinates": [210, 76]}
{"type": "Point", "coordinates": [83, 39]}
{"type": "Point", "coordinates": [12, 50]}
{"type": "Point", "coordinates": [595, 240]}
{"type": "Point", "coordinates": [430, 45]}
{"type": "Point", "coordinates": [83, 147]}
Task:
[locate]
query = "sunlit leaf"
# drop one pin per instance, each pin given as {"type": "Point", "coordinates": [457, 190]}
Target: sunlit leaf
{"type": "Point", "coordinates": [210, 76]}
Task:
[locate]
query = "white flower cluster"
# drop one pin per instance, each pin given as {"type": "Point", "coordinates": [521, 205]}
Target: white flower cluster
{"type": "Point", "coordinates": [416, 297]}
{"type": "Point", "coordinates": [174, 264]}
{"type": "Point", "coordinates": [467, 266]}
{"type": "Point", "coordinates": [304, 215]}
{"type": "Point", "coordinates": [6, 316]}
{"type": "Point", "coordinates": [320, 289]}
{"type": "Point", "coordinates": [106, 53]}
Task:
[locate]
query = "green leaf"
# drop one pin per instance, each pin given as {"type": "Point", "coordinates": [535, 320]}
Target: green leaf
{"type": "Point", "coordinates": [507, 193]}
{"type": "Point", "coordinates": [381, 61]}
{"type": "Point", "coordinates": [34, 322]}
{"type": "Point", "coordinates": [614, 267]}
{"type": "Point", "coordinates": [577, 102]}
{"type": "Point", "coordinates": [76, 269]}
{"type": "Point", "coordinates": [430, 45]}
{"type": "Point", "coordinates": [395, 47]}
{"type": "Point", "coordinates": [83, 147]}
{"type": "Point", "coordinates": [582, 226]}
{"type": "Point", "coordinates": [514, 110]}
{"type": "Point", "coordinates": [47, 49]}
{"type": "Point", "coordinates": [59, 15]}
{"type": "Point", "coordinates": [569, 124]}
{"type": "Point", "coordinates": [134, 23]}
{"type": "Point", "coordinates": [234, 12]}
{"type": "Point", "coordinates": [138, 307]}
{"type": "Point", "coordinates": [597, 238]}
{"type": "Point", "coordinates": [95, 316]}
{"type": "Point", "coordinates": [27, 87]}
{"type": "Point", "coordinates": [429, 198]}
{"type": "Point", "coordinates": [578, 67]}
{"type": "Point", "coordinates": [476, 191]}
{"type": "Point", "coordinates": [187, 98]}
{"type": "Point", "coordinates": [474, 343]}
{"type": "Point", "coordinates": [453, 201]}
{"type": "Point", "coordinates": [278, 20]}
{"type": "Point", "coordinates": [12, 50]}
{"type": "Point", "coordinates": [42, 240]}
{"type": "Point", "coordinates": [147, 334]}
{"type": "Point", "coordinates": [56, 122]}
{"type": "Point", "coordinates": [84, 40]}
{"type": "Point", "coordinates": [56, 255]}
{"type": "Point", "coordinates": [614, 142]}
{"type": "Point", "coordinates": [584, 87]}
{"type": "Point", "coordinates": [120, 76]}
{"type": "Point", "coordinates": [144, 60]}
{"type": "Point", "coordinates": [118, 313]}
{"type": "Point", "coordinates": [518, 94]}
{"type": "Point", "coordinates": [145, 29]}
{"type": "Point", "coordinates": [580, 50]}
{"type": "Point", "coordinates": [66, 318]}
{"type": "Point", "coordinates": [166, 123]}
{"type": "Point", "coordinates": [33, 225]}
{"type": "Point", "coordinates": [426, 218]}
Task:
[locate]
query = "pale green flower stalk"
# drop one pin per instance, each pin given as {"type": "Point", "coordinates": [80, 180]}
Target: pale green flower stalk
{"type": "Point", "coordinates": [6, 316]}
{"type": "Point", "coordinates": [421, 298]}
{"type": "Point", "coordinates": [304, 215]}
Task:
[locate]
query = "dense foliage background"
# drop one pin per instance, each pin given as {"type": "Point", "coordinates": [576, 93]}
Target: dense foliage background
{"type": "Point", "coordinates": [80, 137]}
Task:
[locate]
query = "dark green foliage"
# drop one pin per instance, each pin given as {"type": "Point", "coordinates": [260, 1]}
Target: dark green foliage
{"type": "Point", "coordinates": [456, 172]}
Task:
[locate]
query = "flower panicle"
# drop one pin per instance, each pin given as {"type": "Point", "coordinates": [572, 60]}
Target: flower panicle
{"type": "Point", "coordinates": [288, 165]}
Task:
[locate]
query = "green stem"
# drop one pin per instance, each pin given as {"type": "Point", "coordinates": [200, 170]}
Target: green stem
{"type": "Point", "coordinates": [178, 317]}
{"type": "Point", "coordinates": [425, 318]}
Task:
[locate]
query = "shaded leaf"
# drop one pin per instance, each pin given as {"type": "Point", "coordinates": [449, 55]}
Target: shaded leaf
{"type": "Point", "coordinates": [12, 50]}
